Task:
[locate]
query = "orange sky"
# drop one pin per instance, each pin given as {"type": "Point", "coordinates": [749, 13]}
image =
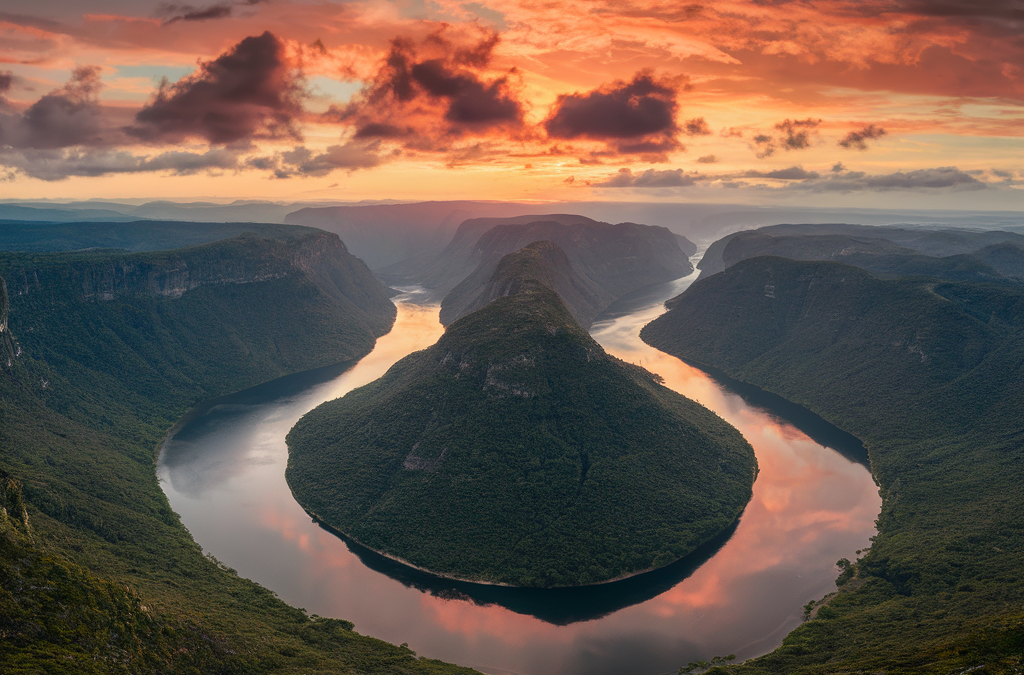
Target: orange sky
{"type": "Point", "coordinates": [822, 101]}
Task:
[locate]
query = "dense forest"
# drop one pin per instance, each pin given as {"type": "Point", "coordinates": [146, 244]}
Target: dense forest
{"type": "Point", "coordinates": [102, 353]}
{"type": "Point", "coordinates": [516, 451]}
{"type": "Point", "coordinates": [930, 375]}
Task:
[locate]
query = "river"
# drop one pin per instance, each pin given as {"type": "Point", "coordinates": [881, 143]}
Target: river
{"type": "Point", "coordinates": [814, 502]}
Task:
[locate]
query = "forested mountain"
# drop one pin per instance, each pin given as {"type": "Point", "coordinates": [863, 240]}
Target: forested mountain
{"type": "Point", "coordinates": [930, 375]}
{"type": "Point", "coordinates": [516, 451]}
{"type": "Point", "coordinates": [104, 352]}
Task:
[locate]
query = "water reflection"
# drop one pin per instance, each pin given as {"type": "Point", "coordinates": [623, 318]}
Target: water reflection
{"type": "Point", "coordinates": [224, 474]}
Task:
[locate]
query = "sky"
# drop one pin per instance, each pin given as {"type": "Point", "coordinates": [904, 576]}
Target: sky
{"type": "Point", "coordinates": [914, 103]}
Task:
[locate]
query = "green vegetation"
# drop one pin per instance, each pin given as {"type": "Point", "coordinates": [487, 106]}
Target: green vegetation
{"type": "Point", "coordinates": [104, 359]}
{"type": "Point", "coordinates": [930, 375]}
{"type": "Point", "coordinates": [541, 261]}
{"type": "Point", "coordinates": [516, 451]}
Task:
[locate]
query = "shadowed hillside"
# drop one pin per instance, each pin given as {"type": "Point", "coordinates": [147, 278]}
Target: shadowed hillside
{"type": "Point", "coordinates": [930, 375]}
{"type": "Point", "coordinates": [109, 351]}
{"type": "Point", "coordinates": [516, 451]}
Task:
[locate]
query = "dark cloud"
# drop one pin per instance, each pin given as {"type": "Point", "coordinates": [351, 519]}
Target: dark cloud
{"type": "Point", "coordinates": [6, 80]}
{"type": "Point", "coordinates": [763, 145]}
{"type": "Point", "coordinates": [791, 173]}
{"type": "Point", "coordinates": [964, 9]}
{"type": "Point", "coordinates": [707, 159]}
{"type": "Point", "coordinates": [433, 91]}
{"type": "Point", "coordinates": [249, 92]}
{"type": "Point", "coordinates": [838, 167]}
{"type": "Point", "coordinates": [65, 117]}
{"type": "Point", "coordinates": [630, 115]}
{"type": "Point", "coordinates": [173, 13]}
{"type": "Point", "coordinates": [857, 140]}
{"type": "Point", "coordinates": [797, 133]}
{"type": "Point", "coordinates": [696, 127]}
{"type": "Point", "coordinates": [648, 179]}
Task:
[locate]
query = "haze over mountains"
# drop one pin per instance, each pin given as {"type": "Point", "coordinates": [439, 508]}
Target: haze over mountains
{"type": "Point", "coordinates": [384, 233]}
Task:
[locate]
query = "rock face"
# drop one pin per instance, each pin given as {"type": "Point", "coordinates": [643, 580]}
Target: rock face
{"type": "Point", "coordinates": [611, 260]}
{"type": "Point", "coordinates": [516, 451]}
{"type": "Point", "coordinates": [319, 256]}
{"type": "Point", "coordinates": [231, 314]}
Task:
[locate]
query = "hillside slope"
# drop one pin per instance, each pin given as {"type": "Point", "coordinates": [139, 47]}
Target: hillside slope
{"type": "Point", "coordinates": [541, 261]}
{"type": "Point", "coordinates": [516, 451]}
{"type": "Point", "coordinates": [930, 375]}
{"type": "Point", "coordinates": [107, 351]}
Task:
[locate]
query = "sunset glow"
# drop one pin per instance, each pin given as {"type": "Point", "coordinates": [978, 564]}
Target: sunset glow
{"type": "Point", "coordinates": [820, 101]}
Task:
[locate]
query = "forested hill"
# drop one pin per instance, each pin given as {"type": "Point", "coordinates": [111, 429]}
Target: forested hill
{"type": "Point", "coordinates": [109, 351]}
{"type": "Point", "coordinates": [541, 261]}
{"type": "Point", "coordinates": [516, 451]}
{"type": "Point", "coordinates": [930, 375]}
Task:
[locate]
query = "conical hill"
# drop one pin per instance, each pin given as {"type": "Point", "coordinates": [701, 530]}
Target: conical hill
{"type": "Point", "coordinates": [516, 451]}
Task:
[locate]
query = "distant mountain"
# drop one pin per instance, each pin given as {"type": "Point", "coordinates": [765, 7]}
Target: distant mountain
{"type": "Point", "coordinates": [18, 212]}
{"type": "Point", "coordinates": [516, 451]}
{"type": "Point", "coordinates": [385, 234]}
{"type": "Point", "coordinates": [930, 375]}
{"type": "Point", "coordinates": [612, 259]}
{"type": "Point", "coordinates": [443, 270]}
{"type": "Point", "coordinates": [1005, 258]}
{"type": "Point", "coordinates": [540, 262]}
{"type": "Point", "coordinates": [839, 241]}
{"type": "Point", "coordinates": [134, 235]}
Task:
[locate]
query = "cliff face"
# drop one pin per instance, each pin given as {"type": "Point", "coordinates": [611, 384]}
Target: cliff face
{"type": "Point", "coordinates": [103, 277]}
{"type": "Point", "coordinates": [222, 316]}
{"type": "Point", "coordinates": [7, 348]}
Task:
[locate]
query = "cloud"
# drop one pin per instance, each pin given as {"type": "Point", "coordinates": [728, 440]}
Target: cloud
{"type": "Point", "coordinates": [65, 117]}
{"type": "Point", "coordinates": [634, 117]}
{"type": "Point", "coordinates": [791, 173]}
{"type": "Point", "coordinates": [696, 127]}
{"type": "Point", "coordinates": [857, 140]}
{"type": "Point", "coordinates": [707, 159]}
{"type": "Point", "coordinates": [59, 164]}
{"type": "Point", "coordinates": [248, 92]}
{"type": "Point", "coordinates": [838, 167]}
{"type": "Point", "coordinates": [173, 13]}
{"type": "Point", "coordinates": [940, 178]}
{"type": "Point", "coordinates": [796, 136]}
{"type": "Point", "coordinates": [797, 133]}
{"type": "Point", "coordinates": [763, 145]}
{"type": "Point", "coordinates": [301, 161]}
{"type": "Point", "coordinates": [648, 179]}
{"type": "Point", "coordinates": [433, 91]}
{"type": "Point", "coordinates": [6, 81]}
